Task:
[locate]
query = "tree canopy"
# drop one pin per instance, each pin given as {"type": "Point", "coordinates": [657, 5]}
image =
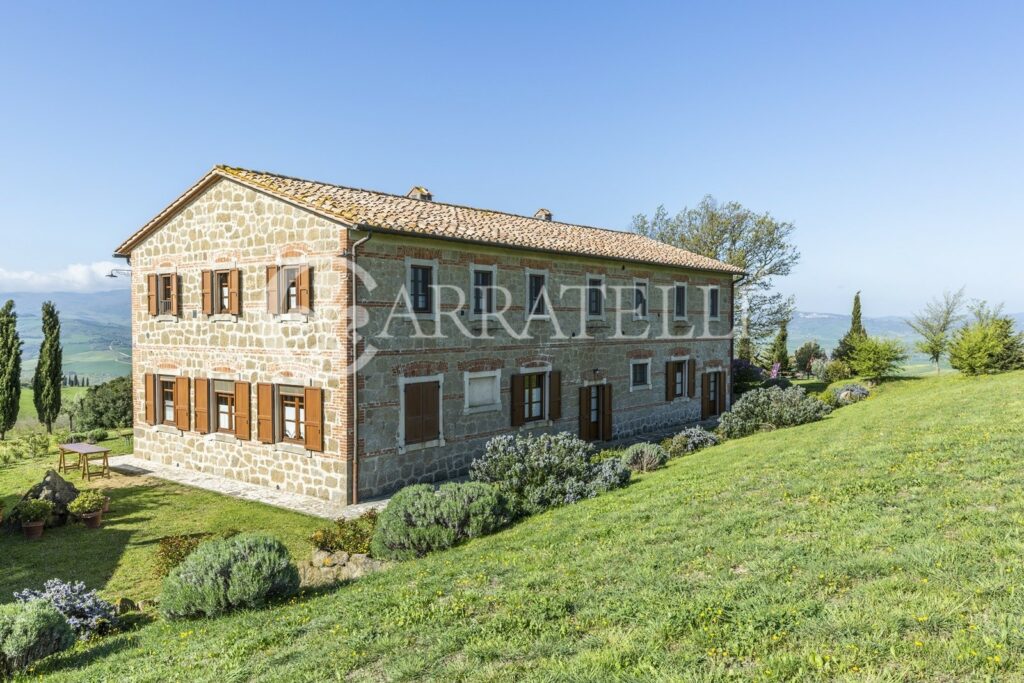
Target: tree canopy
{"type": "Point", "coordinates": [10, 368]}
{"type": "Point", "coordinates": [46, 382]}
{"type": "Point", "coordinates": [935, 325]}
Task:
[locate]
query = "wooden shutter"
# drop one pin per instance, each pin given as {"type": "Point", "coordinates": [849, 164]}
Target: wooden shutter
{"type": "Point", "coordinates": [265, 413]}
{"type": "Point", "coordinates": [181, 404]}
{"type": "Point", "coordinates": [518, 392]}
{"type": "Point", "coordinates": [151, 291]}
{"type": "Point", "coordinates": [721, 392]}
{"type": "Point", "coordinates": [431, 403]}
{"type": "Point", "coordinates": [304, 285]}
{"type": "Point", "coordinates": [606, 412]}
{"type": "Point", "coordinates": [273, 291]}
{"type": "Point", "coordinates": [705, 389]}
{"type": "Point", "coordinates": [314, 419]}
{"type": "Point", "coordinates": [150, 397]}
{"type": "Point", "coordinates": [202, 405]}
{"type": "Point", "coordinates": [235, 292]}
{"type": "Point", "coordinates": [555, 395]}
{"type": "Point", "coordinates": [175, 302]}
{"type": "Point", "coordinates": [691, 378]}
{"type": "Point", "coordinates": [206, 277]}
{"type": "Point", "coordinates": [413, 414]}
{"type": "Point", "coordinates": [670, 381]}
{"type": "Point", "coordinates": [585, 414]}
{"type": "Point", "coordinates": [243, 428]}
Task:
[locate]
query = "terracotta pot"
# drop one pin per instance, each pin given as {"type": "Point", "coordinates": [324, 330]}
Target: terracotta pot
{"type": "Point", "coordinates": [106, 504]}
{"type": "Point", "coordinates": [33, 530]}
{"type": "Point", "coordinates": [92, 520]}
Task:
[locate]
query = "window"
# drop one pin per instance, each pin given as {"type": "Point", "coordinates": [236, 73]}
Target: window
{"type": "Point", "coordinates": [713, 302]}
{"type": "Point", "coordinates": [421, 411]}
{"type": "Point", "coordinates": [420, 280]}
{"type": "Point", "coordinates": [639, 299]}
{"type": "Point", "coordinates": [677, 383]}
{"type": "Point", "coordinates": [483, 391]}
{"type": "Point", "coordinates": [639, 374]}
{"type": "Point", "coordinates": [290, 289]}
{"type": "Point", "coordinates": [535, 304]}
{"type": "Point", "coordinates": [679, 380]}
{"type": "Point", "coordinates": [222, 289]}
{"type": "Point", "coordinates": [679, 311]}
{"type": "Point", "coordinates": [533, 407]}
{"type": "Point", "coordinates": [292, 414]}
{"type": "Point", "coordinates": [595, 297]}
{"type": "Point", "coordinates": [167, 401]}
{"type": "Point", "coordinates": [224, 403]}
{"type": "Point", "coordinates": [483, 290]}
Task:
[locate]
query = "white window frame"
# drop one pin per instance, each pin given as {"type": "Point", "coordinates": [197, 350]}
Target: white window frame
{"type": "Point", "coordinates": [440, 441]}
{"type": "Point", "coordinates": [640, 387]}
{"type": "Point", "coordinates": [718, 289]}
{"type": "Point", "coordinates": [473, 270]}
{"type": "Point", "coordinates": [604, 296]}
{"type": "Point", "coordinates": [435, 303]}
{"type": "Point", "coordinates": [686, 294]}
{"type": "Point", "coordinates": [546, 315]}
{"type": "Point", "coordinates": [637, 282]}
{"type": "Point", "coordinates": [494, 405]}
{"type": "Point", "coordinates": [685, 360]}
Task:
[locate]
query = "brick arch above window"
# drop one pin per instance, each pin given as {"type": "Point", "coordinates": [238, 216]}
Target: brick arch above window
{"type": "Point", "coordinates": [420, 368]}
{"type": "Point", "coordinates": [640, 353]}
{"type": "Point", "coordinates": [480, 364]}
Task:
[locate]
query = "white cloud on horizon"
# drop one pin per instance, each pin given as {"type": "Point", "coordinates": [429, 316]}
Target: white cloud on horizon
{"type": "Point", "coordinates": [75, 277]}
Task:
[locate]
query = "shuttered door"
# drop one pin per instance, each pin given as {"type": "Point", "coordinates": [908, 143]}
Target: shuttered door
{"type": "Point", "coordinates": [265, 413]}
{"type": "Point", "coordinates": [273, 291]}
{"type": "Point", "coordinates": [206, 277]}
{"type": "Point", "coordinates": [314, 419]}
{"type": "Point", "coordinates": [149, 382]}
{"type": "Point", "coordinates": [691, 378]}
{"type": "Point", "coordinates": [555, 395]}
{"type": "Point", "coordinates": [203, 406]}
{"type": "Point", "coordinates": [181, 404]}
{"type": "Point", "coordinates": [670, 381]}
{"type": "Point", "coordinates": [304, 285]}
{"type": "Point", "coordinates": [518, 399]}
{"type": "Point", "coordinates": [243, 428]}
{"type": "Point", "coordinates": [585, 430]}
{"type": "Point", "coordinates": [705, 391]}
{"type": "Point", "coordinates": [235, 292]}
{"type": "Point", "coordinates": [151, 292]}
{"type": "Point", "coordinates": [606, 412]}
{"type": "Point", "coordinates": [421, 412]}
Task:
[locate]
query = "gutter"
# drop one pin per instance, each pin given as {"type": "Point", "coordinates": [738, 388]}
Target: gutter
{"type": "Point", "coordinates": [353, 375]}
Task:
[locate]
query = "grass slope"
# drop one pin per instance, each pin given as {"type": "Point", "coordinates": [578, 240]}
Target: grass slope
{"type": "Point", "coordinates": [884, 543]}
{"type": "Point", "coordinates": [29, 419]}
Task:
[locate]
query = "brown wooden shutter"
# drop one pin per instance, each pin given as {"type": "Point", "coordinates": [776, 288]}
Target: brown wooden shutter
{"type": "Point", "coordinates": [691, 378]}
{"type": "Point", "coordinates": [413, 413]}
{"type": "Point", "coordinates": [518, 396]}
{"type": "Point", "coordinates": [670, 381]}
{"type": "Point", "coordinates": [175, 302]}
{"type": "Point", "coordinates": [273, 291]}
{"type": "Point", "coordinates": [150, 398]}
{"type": "Point", "coordinates": [304, 285]}
{"type": "Point", "coordinates": [585, 414]}
{"type": "Point", "coordinates": [555, 395]}
{"type": "Point", "coordinates": [705, 389]}
{"type": "Point", "coordinates": [721, 392]}
{"type": "Point", "coordinates": [431, 402]}
{"type": "Point", "coordinates": [202, 405]}
{"type": "Point", "coordinates": [606, 412]}
{"type": "Point", "coordinates": [235, 292]}
{"type": "Point", "coordinates": [314, 419]}
{"type": "Point", "coordinates": [151, 292]}
{"type": "Point", "coordinates": [243, 428]}
{"type": "Point", "coordinates": [206, 277]}
{"type": "Point", "coordinates": [265, 413]}
{"type": "Point", "coordinates": [181, 404]}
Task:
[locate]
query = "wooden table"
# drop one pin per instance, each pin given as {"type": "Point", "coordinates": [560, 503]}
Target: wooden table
{"type": "Point", "coordinates": [84, 452]}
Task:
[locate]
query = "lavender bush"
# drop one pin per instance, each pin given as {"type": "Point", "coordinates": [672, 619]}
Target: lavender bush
{"type": "Point", "coordinates": [87, 614]}
{"type": "Point", "coordinates": [690, 440]}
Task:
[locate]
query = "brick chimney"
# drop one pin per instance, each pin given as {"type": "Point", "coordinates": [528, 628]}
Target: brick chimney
{"type": "Point", "coordinates": [420, 193]}
{"type": "Point", "coordinates": [543, 214]}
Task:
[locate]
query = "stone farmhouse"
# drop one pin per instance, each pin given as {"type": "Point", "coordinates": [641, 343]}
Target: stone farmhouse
{"type": "Point", "coordinates": [342, 343]}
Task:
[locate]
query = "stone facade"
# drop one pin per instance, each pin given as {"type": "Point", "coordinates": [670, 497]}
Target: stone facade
{"type": "Point", "coordinates": [231, 225]}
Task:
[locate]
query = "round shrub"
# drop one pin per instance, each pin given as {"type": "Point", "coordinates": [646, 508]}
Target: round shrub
{"type": "Point", "coordinates": [645, 457]}
{"type": "Point", "coordinates": [780, 382]}
{"type": "Point", "coordinates": [689, 441]}
{"type": "Point", "coordinates": [86, 613]}
{"type": "Point", "coordinates": [819, 368]}
{"type": "Point", "coordinates": [773, 408]}
{"type": "Point", "coordinates": [611, 473]}
{"type": "Point", "coordinates": [86, 502]}
{"type": "Point", "coordinates": [97, 435]}
{"type": "Point", "coordinates": [837, 371]}
{"type": "Point", "coordinates": [419, 519]}
{"type": "Point", "coordinates": [32, 510]}
{"type": "Point", "coordinates": [244, 571]}
{"type": "Point", "coordinates": [29, 632]}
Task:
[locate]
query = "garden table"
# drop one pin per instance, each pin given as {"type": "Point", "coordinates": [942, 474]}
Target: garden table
{"type": "Point", "coordinates": [85, 452]}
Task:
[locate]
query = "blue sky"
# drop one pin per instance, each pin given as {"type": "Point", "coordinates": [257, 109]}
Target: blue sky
{"type": "Point", "coordinates": [892, 134]}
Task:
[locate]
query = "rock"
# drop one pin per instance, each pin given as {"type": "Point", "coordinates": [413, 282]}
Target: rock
{"type": "Point", "coordinates": [58, 491]}
{"type": "Point", "coordinates": [325, 568]}
{"type": "Point", "coordinates": [124, 605]}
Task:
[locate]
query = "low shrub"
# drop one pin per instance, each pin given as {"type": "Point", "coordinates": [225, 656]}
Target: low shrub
{"type": "Point", "coordinates": [819, 368]}
{"type": "Point", "coordinates": [32, 510]}
{"type": "Point", "coordinates": [836, 371]}
{"type": "Point", "coordinates": [607, 454]}
{"type": "Point", "coordinates": [172, 551]}
{"type": "Point", "coordinates": [536, 472]}
{"type": "Point", "coordinates": [30, 632]}
{"type": "Point", "coordinates": [61, 436]}
{"type": "Point", "coordinates": [78, 437]}
{"type": "Point", "coordinates": [745, 375]}
{"type": "Point", "coordinates": [772, 408]}
{"type": "Point", "coordinates": [849, 393]}
{"type": "Point", "coordinates": [988, 345]}
{"type": "Point", "coordinates": [780, 382]}
{"type": "Point", "coordinates": [877, 358]}
{"type": "Point", "coordinates": [86, 613]}
{"type": "Point", "coordinates": [689, 441]}
{"type": "Point", "coordinates": [645, 457]}
{"type": "Point", "coordinates": [87, 502]}
{"type": "Point", "coordinates": [419, 519]}
{"type": "Point", "coordinates": [350, 535]}
{"type": "Point", "coordinates": [611, 473]}
{"type": "Point", "coordinates": [244, 571]}
{"type": "Point", "coordinates": [97, 435]}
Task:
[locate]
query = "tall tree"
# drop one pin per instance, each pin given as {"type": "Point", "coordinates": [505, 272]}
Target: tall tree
{"type": "Point", "coordinates": [47, 380]}
{"type": "Point", "coordinates": [780, 348]}
{"type": "Point", "coordinates": [757, 243]}
{"type": "Point", "coordinates": [10, 369]}
{"type": "Point", "coordinates": [935, 325]}
{"type": "Point", "coordinates": [844, 351]}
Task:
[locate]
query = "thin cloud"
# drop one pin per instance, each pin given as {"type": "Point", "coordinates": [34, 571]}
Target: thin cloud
{"type": "Point", "coordinates": [76, 277]}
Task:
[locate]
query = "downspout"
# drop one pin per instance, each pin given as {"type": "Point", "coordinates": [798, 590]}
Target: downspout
{"type": "Point", "coordinates": [732, 331]}
{"type": "Point", "coordinates": [355, 378]}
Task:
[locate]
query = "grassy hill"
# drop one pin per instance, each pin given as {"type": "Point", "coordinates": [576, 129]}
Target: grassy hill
{"type": "Point", "coordinates": [883, 543]}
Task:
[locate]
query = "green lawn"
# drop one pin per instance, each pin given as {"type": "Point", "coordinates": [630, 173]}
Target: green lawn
{"type": "Point", "coordinates": [885, 543]}
{"type": "Point", "coordinates": [27, 417]}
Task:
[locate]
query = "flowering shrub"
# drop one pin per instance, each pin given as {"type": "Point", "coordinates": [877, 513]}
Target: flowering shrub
{"type": "Point", "coordinates": [351, 535]}
{"type": "Point", "coordinates": [645, 457]}
{"type": "Point", "coordinates": [689, 441]}
{"type": "Point", "coordinates": [850, 393]}
{"type": "Point", "coordinates": [612, 473]}
{"type": "Point", "coordinates": [86, 613]}
{"type": "Point", "coordinates": [29, 632]}
{"type": "Point", "coordinates": [772, 408]}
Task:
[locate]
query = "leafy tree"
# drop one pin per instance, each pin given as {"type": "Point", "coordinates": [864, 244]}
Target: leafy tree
{"type": "Point", "coordinates": [107, 405]}
{"type": "Point", "coordinates": [877, 358]}
{"type": "Point", "coordinates": [935, 325]}
{"type": "Point", "coordinates": [780, 347]}
{"type": "Point", "coordinates": [47, 380]}
{"type": "Point", "coordinates": [745, 349]}
{"type": "Point", "coordinates": [989, 344]}
{"type": "Point", "coordinates": [844, 351]}
{"type": "Point", "coordinates": [808, 353]}
{"type": "Point", "coordinates": [757, 243]}
{"type": "Point", "coordinates": [10, 369]}
{"type": "Point", "coordinates": [72, 409]}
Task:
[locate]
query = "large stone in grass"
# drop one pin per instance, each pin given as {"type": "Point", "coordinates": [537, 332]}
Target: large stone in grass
{"type": "Point", "coordinates": [58, 491]}
{"type": "Point", "coordinates": [325, 568]}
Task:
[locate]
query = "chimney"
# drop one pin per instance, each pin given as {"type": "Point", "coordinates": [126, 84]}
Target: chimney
{"type": "Point", "coordinates": [420, 193]}
{"type": "Point", "coordinates": [543, 214]}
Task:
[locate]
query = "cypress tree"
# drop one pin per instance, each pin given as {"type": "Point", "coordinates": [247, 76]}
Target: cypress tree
{"type": "Point", "coordinates": [780, 348]}
{"type": "Point", "coordinates": [10, 369]}
{"type": "Point", "coordinates": [46, 382]}
{"type": "Point", "coordinates": [745, 349]}
{"type": "Point", "coordinates": [856, 332]}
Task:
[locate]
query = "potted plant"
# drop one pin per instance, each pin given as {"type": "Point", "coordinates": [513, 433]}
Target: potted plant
{"type": "Point", "coordinates": [88, 507]}
{"type": "Point", "coordinates": [33, 514]}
